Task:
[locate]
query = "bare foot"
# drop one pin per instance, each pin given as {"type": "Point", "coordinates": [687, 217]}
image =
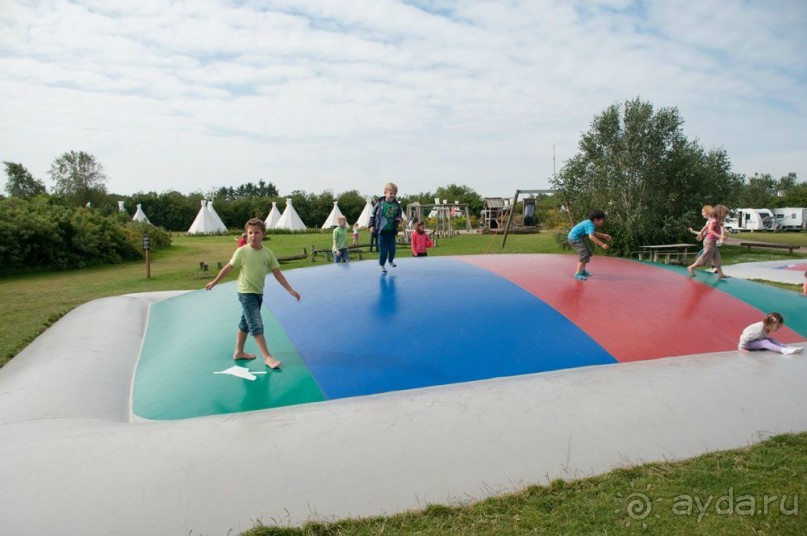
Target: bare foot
{"type": "Point", "coordinates": [723, 276]}
{"type": "Point", "coordinates": [691, 272]}
{"type": "Point", "coordinates": [271, 362]}
{"type": "Point", "coordinates": [243, 355]}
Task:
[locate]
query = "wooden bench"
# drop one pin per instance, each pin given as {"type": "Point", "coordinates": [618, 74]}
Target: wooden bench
{"type": "Point", "coordinates": [353, 250]}
{"type": "Point", "coordinates": [667, 251]}
{"type": "Point", "coordinates": [788, 247]}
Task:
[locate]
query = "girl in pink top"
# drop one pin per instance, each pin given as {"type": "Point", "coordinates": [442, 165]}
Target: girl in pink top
{"type": "Point", "coordinates": [420, 240]}
{"type": "Point", "coordinates": [714, 233]}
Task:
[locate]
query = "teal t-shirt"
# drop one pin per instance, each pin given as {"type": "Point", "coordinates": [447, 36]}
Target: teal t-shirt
{"type": "Point", "coordinates": [582, 230]}
{"type": "Point", "coordinates": [254, 265]}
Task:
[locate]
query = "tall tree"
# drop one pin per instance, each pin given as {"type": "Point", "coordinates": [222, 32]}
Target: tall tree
{"type": "Point", "coordinates": [79, 176]}
{"type": "Point", "coordinates": [636, 164]}
{"type": "Point", "coordinates": [21, 183]}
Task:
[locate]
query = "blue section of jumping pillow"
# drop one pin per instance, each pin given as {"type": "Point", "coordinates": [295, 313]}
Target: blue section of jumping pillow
{"type": "Point", "coordinates": [361, 332]}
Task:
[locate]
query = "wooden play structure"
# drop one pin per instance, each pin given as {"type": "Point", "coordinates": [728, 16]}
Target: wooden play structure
{"type": "Point", "coordinates": [529, 210]}
{"type": "Point", "coordinates": [442, 213]}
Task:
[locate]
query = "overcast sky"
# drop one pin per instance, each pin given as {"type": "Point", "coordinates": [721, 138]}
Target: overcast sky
{"type": "Point", "coordinates": [350, 94]}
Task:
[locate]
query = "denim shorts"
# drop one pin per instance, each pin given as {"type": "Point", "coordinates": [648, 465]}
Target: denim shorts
{"type": "Point", "coordinates": [344, 258]}
{"type": "Point", "coordinates": [251, 321]}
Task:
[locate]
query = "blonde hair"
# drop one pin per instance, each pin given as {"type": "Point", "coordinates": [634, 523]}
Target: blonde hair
{"type": "Point", "coordinates": [391, 186]}
{"type": "Point", "coordinates": [707, 209]}
{"type": "Point", "coordinates": [341, 217]}
{"type": "Point", "coordinates": [719, 212]}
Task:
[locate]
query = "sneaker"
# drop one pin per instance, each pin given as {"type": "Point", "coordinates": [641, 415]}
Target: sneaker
{"type": "Point", "coordinates": [788, 350]}
{"type": "Point", "coordinates": [383, 270]}
{"type": "Point", "coordinates": [580, 276]}
{"type": "Point", "coordinates": [586, 273]}
{"type": "Point", "coordinates": [393, 264]}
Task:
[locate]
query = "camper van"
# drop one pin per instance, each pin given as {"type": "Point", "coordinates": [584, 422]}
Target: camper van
{"type": "Point", "coordinates": [791, 219]}
{"type": "Point", "coordinates": [750, 219]}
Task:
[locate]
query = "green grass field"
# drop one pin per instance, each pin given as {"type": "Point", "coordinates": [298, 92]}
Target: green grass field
{"type": "Point", "coordinates": [678, 491]}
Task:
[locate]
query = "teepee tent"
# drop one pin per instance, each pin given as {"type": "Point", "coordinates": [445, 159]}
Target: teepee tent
{"type": "Point", "coordinates": [140, 215]}
{"type": "Point", "coordinates": [290, 219]}
{"type": "Point", "coordinates": [273, 217]}
{"type": "Point", "coordinates": [204, 224]}
{"type": "Point", "coordinates": [331, 222]}
{"type": "Point", "coordinates": [364, 217]}
{"type": "Point", "coordinates": [221, 228]}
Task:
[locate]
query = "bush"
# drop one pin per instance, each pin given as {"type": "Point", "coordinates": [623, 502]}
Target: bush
{"type": "Point", "coordinates": [42, 234]}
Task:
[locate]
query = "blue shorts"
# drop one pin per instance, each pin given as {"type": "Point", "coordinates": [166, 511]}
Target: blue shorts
{"type": "Point", "coordinates": [251, 320]}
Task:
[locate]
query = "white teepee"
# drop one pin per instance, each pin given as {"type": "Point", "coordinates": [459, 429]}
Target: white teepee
{"type": "Point", "coordinates": [216, 219]}
{"type": "Point", "coordinates": [331, 222]}
{"type": "Point", "coordinates": [273, 217]}
{"type": "Point", "coordinates": [290, 219]}
{"type": "Point", "coordinates": [364, 217]}
{"type": "Point", "coordinates": [140, 215]}
{"type": "Point", "coordinates": [121, 208]}
{"type": "Point", "coordinates": [204, 224]}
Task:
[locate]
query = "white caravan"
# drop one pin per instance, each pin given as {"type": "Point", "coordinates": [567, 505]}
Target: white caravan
{"type": "Point", "coordinates": [749, 219]}
{"type": "Point", "coordinates": [791, 219]}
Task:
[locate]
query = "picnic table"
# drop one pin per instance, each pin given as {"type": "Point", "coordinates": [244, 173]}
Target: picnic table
{"type": "Point", "coordinates": [667, 250]}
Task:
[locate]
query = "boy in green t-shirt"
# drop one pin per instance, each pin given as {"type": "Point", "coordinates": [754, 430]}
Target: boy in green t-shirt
{"type": "Point", "coordinates": [255, 261]}
{"type": "Point", "coordinates": [339, 248]}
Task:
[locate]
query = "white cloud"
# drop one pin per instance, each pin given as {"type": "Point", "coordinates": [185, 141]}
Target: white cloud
{"type": "Point", "coordinates": [347, 95]}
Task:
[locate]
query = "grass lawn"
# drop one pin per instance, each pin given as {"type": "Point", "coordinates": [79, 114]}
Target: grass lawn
{"type": "Point", "coordinates": [684, 496]}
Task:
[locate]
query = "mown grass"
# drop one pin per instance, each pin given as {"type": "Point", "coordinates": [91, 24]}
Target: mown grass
{"type": "Point", "coordinates": [759, 489]}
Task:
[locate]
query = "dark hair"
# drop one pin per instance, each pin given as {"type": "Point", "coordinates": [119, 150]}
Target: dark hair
{"type": "Point", "coordinates": [596, 214]}
{"type": "Point", "coordinates": [773, 318]}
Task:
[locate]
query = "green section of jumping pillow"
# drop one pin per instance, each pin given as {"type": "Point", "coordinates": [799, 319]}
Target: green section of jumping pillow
{"type": "Point", "coordinates": [191, 336]}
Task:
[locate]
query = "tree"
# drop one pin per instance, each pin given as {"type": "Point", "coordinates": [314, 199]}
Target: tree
{"type": "Point", "coordinates": [245, 191]}
{"type": "Point", "coordinates": [79, 176]}
{"type": "Point", "coordinates": [21, 183]}
{"type": "Point", "coordinates": [463, 194]}
{"type": "Point", "coordinates": [351, 203]}
{"type": "Point", "coordinates": [636, 164]}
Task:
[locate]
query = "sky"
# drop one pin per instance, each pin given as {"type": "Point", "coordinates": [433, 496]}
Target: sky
{"type": "Point", "coordinates": [351, 94]}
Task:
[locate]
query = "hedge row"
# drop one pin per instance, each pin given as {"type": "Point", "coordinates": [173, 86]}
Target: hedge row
{"type": "Point", "coordinates": [39, 234]}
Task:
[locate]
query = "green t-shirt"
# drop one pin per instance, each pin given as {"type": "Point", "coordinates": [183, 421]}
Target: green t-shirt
{"type": "Point", "coordinates": [254, 265]}
{"type": "Point", "coordinates": [339, 237]}
{"type": "Point", "coordinates": [388, 212]}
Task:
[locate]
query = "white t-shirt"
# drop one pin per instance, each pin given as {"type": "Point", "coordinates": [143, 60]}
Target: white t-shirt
{"type": "Point", "coordinates": [754, 332]}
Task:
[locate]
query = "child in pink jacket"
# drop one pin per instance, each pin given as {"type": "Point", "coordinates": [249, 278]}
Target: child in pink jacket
{"type": "Point", "coordinates": [420, 240]}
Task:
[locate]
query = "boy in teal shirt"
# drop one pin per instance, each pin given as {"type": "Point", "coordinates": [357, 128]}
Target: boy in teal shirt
{"type": "Point", "coordinates": [255, 261]}
{"type": "Point", "coordinates": [581, 230]}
